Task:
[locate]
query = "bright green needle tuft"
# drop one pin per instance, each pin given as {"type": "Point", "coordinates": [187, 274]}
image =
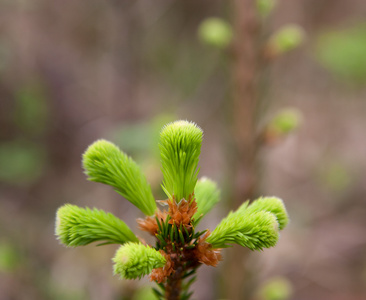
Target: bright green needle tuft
{"type": "Point", "coordinates": [180, 147]}
{"type": "Point", "coordinates": [207, 195]}
{"type": "Point", "coordinates": [255, 230]}
{"type": "Point", "coordinates": [76, 226]}
{"type": "Point", "coordinates": [254, 225]}
{"type": "Point", "coordinates": [134, 260]}
{"type": "Point", "coordinates": [273, 205]}
{"type": "Point", "coordinates": [104, 162]}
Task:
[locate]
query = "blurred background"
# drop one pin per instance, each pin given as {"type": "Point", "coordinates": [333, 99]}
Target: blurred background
{"type": "Point", "coordinates": [73, 71]}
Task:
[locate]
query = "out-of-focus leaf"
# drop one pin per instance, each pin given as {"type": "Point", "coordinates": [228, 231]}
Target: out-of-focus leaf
{"type": "Point", "coordinates": [133, 137]}
{"type": "Point", "coordinates": [286, 38]}
{"type": "Point", "coordinates": [277, 288]}
{"type": "Point", "coordinates": [21, 162]}
{"type": "Point", "coordinates": [215, 32]}
{"type": "Point", "coordinates": [265, 7]}
{"type": "Point", "coordinates": [140, 138]}
{"type": "Point", "coordinates": [343, 52]}
{"type": "Point", "coordinates": [31, 112]}
{"type": "Point", "coordinates": [8, 258]}
{"type": "Point", "coordinates": [145, 293]}
{"type": "Point", "coordinates": [336, 177]}
{"type": "Point", "coordinates": [5, 54]}
{"type": "Point", "coordinates": [182, 65]}
{"type": "Point", "coordinates": [286, 120]}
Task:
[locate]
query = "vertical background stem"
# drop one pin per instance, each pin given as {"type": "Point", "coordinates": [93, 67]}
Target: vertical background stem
{"type": "Point", "coordinates": [245, 67]}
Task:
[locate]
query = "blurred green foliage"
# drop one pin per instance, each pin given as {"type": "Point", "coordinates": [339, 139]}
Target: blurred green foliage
{"type": "Point", "coordinates": [145, 293]}
{"type": "Point", "coordinates": [277, 288]}
{"type": "Point", "coordinates": [21, 162]}
{"type": "Point", "coordinates": [265, 7]}
{"type": "Point", "coordinates": [343, 52]}
{"type": "Point", "coordinates": [287, 38]}
{"type": "Point", "coordinates": [134, 137]}
{"type": "Point", "coordinates": [5, 54]}
{"type": "Point", "coordinates": [182, 65]}
{"type": "Point", "coordinates": [31, 111]}
{"type": "Point", "coordinates": [141, 140]}
{"type": "Point", "coordinates": [59, 291]}
{"type": "Point", "coordinates": [9, 259]}
{"type": "Point", "coordinates": [286, 120]}
{"type": "Point", "coordinates": [215, 32]}
{"type": "Point", "coordinates": [335, 176]}
{"type": "Point", "coordinates": [141, 137]}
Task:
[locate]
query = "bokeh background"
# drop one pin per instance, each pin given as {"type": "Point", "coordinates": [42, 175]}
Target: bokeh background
{"type": "Point", "coordinates": [73, 71]}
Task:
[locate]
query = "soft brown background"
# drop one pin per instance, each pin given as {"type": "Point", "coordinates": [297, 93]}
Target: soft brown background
{"type": "Point", "coordinates": [73, 71]}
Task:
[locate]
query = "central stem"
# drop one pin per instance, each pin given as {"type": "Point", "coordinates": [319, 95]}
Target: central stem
{"type": "Point", "coordinates": [174, 285]}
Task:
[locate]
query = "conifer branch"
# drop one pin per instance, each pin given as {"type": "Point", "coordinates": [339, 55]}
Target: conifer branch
{"type": "Point", "coordinates": [105, 163]}
{"type": "Point", "coordinates": [76, 226]}
{"type": "Point", "coordinates": [180, 147]}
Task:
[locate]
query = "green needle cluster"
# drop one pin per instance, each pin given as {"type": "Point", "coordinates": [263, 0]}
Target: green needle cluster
{"type": "Point", "coordinates": [104, 162]}
{"type": "Point", "coordinates": [273, 205]}
{"type": "Point", "coordinates": [207, 195]}
{"type": "Point", "coordinates": [134, 260]}
{"type": "Point", "coordinates": [255, 226]}
{"type": "Point", "coordinates": [76, 226]}
{"type": "Point", "coordinates": [180, 148]}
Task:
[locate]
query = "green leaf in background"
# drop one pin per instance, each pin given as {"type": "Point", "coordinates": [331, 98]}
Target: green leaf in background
{"type": "Point", "coordinates": [141, 137]}
{"type": "Point", "coordinates": [21, 162]}
{"type": "Point", "coordinates": [276, 288]}
{"type": "Point", "coordinates": [5, 54]}
{"type": "Point", "coordinates": [286, 38]}
{"type": "Point", "coordinates": [144, 293]}
{"type": "Point", "coordinates": [343, 52]}
{"type": "Point", "coordinates": [215, 32]}
{"type": "Point", "coordinates": [265, 7]}
{"type": "Point", "coordinates": [335, 176]}
{"type": "Point", "coordinates": [286, 121]}
{"type": "Point", "coordinates": [9, 259]}
{"type": "Point", "coordinates": [31, 111]}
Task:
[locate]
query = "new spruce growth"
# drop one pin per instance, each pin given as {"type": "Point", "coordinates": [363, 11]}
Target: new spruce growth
{"type": "Point", "coordinates": [76, 226]}
{"type": "Point", "coordinates": [180, 148]}
{"type": "Point", "coordinates": [105, 163]}
{"type": "Point", "coordinates": [136, 260]}
{"type": "Point", "coordinates": [179, 248]}
{"type": "Point", "coordinates": [207, 195]}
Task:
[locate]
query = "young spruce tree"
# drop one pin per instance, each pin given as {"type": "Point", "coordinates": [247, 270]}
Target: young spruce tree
{"type": "Point", "coordinates": [179, 247]}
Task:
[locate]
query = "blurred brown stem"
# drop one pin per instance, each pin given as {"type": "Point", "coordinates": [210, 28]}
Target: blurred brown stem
{"type": "Point", "coordinates": [245, 69]}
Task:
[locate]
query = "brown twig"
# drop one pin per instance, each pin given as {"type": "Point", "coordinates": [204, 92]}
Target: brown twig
{"type": "Point", "coordinates": [245, 104]}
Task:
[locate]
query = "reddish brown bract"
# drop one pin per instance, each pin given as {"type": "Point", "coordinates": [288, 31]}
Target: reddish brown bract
{"type": "Point", "coordinates": [180, 255]}
{"type": "Point", "coordinates": [160, 274]}
{"type": "Point", "coordinates": [205, 254]}
{"type": "Point", "coordinates": [182, 213]}
{"type": "Point", "coordinates": [149, 223]}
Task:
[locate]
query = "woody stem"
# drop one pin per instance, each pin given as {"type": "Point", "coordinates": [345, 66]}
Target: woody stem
{"type": "Point", "coordinates": [173, 286]}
